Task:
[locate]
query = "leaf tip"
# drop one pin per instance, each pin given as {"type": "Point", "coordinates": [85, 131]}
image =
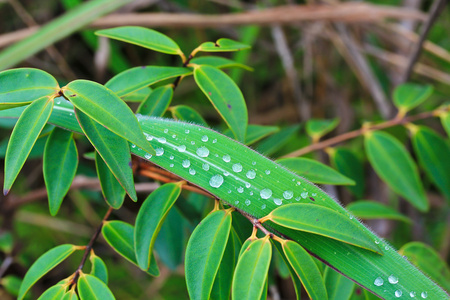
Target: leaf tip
{"type": "Point", "coordinates": [5, 192]}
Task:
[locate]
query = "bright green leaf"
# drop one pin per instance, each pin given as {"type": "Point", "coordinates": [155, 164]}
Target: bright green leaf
{"type": "Point", "coordinates": [339, 287]}
{"type": "Point", "coordinates": [375, 210]}
{"type": "Point", "coordinates": [6, 242]}
{"type": "Point", "coordinates": [157, 102]}
{"type": "Point", "coordinates": [112, 191]}
{"type": "Point", "coordinates": [70, 295]}
{"type": "Point", "coordinates": [255, 133]}
{"type": "Point", "coordinates": [295, 279]}
{"type": "Point", "coordinates": [11, 284]}
{"type": "Point", "coordinates": [92, 288]}
{"type": "Point", "coordinates": [409, 95]}
{"type": "Point", "coordinates": [348, 164]}
{"type": "Point", "coordinates": [275, 142]}
{"type": "Point", "coordinates": [223, 45]}
{"type": "Point", "coordinates": [55, 292]}
{"type": "Point", "coordinates": [98, 268]}
{"type": "Point", "coordinates": [317, 128]}
{"type": "Point", "coordinates": [219, 62]}
{"type": "Point", "coordinates": [186, 113]}
{"type": "Point", "coordinates": [445, 120]}
{"type": "Point", "coordinates": [137, 96]}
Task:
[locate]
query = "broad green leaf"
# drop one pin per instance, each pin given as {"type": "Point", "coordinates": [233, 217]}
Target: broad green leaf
{"type": "Point", "coordinates": [433, 152]}
{"type": "Point", "coordinates": [23, 137]}
{"type": "Point", "coordinates": [315, 171]}
{"type": "Point", "coordinates": [70, 295]}
{"type": "Point", "coordinates": [409, 95]}
{"type": "Point", "coordinates": [114, 151]}
{"type": "Point", "coordinates": [225, 96]}
{"type": "Point", "coordinates": [348, 164]}
{"type": "Point", "coordinates": [59, 166]}
{"type": "Point", "coordinates": [157, 102]}
{"type": "Point", "coordinates": [295, 279]}
{"type": "Point", "coordinates": [44, 264]}
{"type": "Point", "coordinates": [375, 210]}
{"type": "Point", "coordinates": [112, 191]}
{"type": "Point", "coordinates": [445, 120]}
{"type": "Point", "coordinates": [245, 246]}
{"type": "Point", "coordinates": [98, 268]}
{"type": "Point", "coordinates": [135, 79]}
{"type": "Point", "coordinates": [324, 221]}
{"type": "Point", "coordinates": [11, 284]}
{"type": "Point", "coordinates": [92, 288]}
{"type": "Point", "coordinates": [255, 133]}
{"type": "Point", "coordinates": [22, 86]}
{"type": "Point", "coordinates": [251, 270]}
{"type": "Point", "coordinates": [317, 128]}
{"type": "Point", "coordinates": [395, 166]}
{"type": "Point", "coordinates": [429, 261]}
{"type": "Point", "coordinates": [103, 106]}
{"type": "Point", "coordinates": [339, 287]}
{"type": "Point", "coordinates": [143, 37]}
{"type": "Point", "coordinates": [186, 113]}
{"type": "Point", "coordinates": [306, 269]}
{"type": "Point", "coordinates": [120, 236]}
{"type": "Point", "coordinates": [219, 62]}
{"type": "Point", "coordinates": [223, 45]}
{"type": "Point", "coordinates": [204, 252]}
{"type": "Point", "coordinates": [275, 142]}
{"type": "Point", "coordinates": [55, 292]}
{"type": "Point", "coordinates": [150, 217]}
{"type": "Point", "coordinates": [137, 96]}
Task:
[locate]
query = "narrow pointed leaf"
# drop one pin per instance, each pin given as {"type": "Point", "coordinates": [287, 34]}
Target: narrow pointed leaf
{"type": "Point", "coordinates": [445, 120]}
{"type": "Point", "coordinates": [275, 142]}
{"type": "Point", "coordinates": [22, 86]}
{"type": "Point", "coordinates": [251, 270]}
{"type": "Point", "coordinates": [107, 109]}
{"type": "Point", "coordinates": [157, 102]}
{"type": "Point", "coordinates": [98, 268]}
{"type": "Point", "coordinates": [112, 190]}
{"type": "Point", "coordinates": [317, 128]}
{"type": "Point", "coordinates": [225, 96]}
{"type": "Point", "coordinates": [11, 284]}
{"type": "Point", "coordinates": [409, 95]}
{"type": "Point", "coordinates": [55, 292]}
{"type": "Point", "coordinates": [223, 45]}
{"type": "Point", "coordinates": [120, 236]}
{"type": "Point", "coordinates": [315, 171]}
{"type": "Point", "coordinates": [43, 265]}
{"type": "Point", "coordinates": [219, 62]}
{"type": "Point", "coordinates": [348, 164]}
{"type": "Point", "coordinates": [186, 113]}
{"type": "Point", "coordinates": [295, 279]}
{"type": "Point", "coordinates": [375, 210]}
{"type": "Point", "coordinates": [114, 151]}
{"type": "Point", "coordinates": [324, 221]}
{"type": "Point", "coordinates": [222, 284]}
{"type": "Point", "coordinates": [92, 288]}
{"type": "Point", "coordinates": [137, 96]}
{"type": "Point", "coordinates": [255, 133]}
{"type": "Point", "coordinates": [306, 269]}
{"type": "Point", "coordinates": [204, 252]}
{"type": "Point", "coordinates": [395, 166]}
{"type": "Point", "coordinates": [70, 295]}
{"type": "Point", "coordinates": [143, 37]}
{"type": "Point", "coordinates": [339, 287]}
{"type": "Point", "coordinates": [59, 166]}
{"type": "Point", "coordinates": [23, 137]}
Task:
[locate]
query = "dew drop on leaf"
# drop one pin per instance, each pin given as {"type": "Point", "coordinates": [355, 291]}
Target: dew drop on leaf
{"type": "Point", "coordinates": [159, 151]}
{"type": "Point", "coordinates": [181, 148]}
{"type": "Point", "coordinates": [398, 293]}
{"type": "Point", "coordinates": [265, 193]}
{"type": "Point", "coordinates": [278, 201]}
{"type": "Point", "coordinates": [226, 158]}
{"type": "Point", "coordinates": [412, 294]}
{"type": "Point", "coordinates": [240, 189]}
{"type": "Point", "coordinates": [202, 151]}
{"type": "Point", "coordinates": [186, 131]}
{"type": "Point", "coordinates": [304, 195]}
{"type": "Point", "coordinates": [162, 140]}
{"type": "Point", "coordinates": [186, 163]}
{"type": "Point", "coordinates": [267, 172]}
{"type": "Point", "coordinates": [247, 185]}
{"type": "Point", "coordinates": [393, 279]}
{"type": "Point", "coordinates": [172, 157]}
{"type": "Point", "coordinates": [251, 174]}
{"type": "Point", "coordinates": [379, 281]}
{"type": "Point", "coordinates": [247, 202]}
{"type": "Point", "coordinates": [205, 167]}
{"type": "Point", "coordinates": [166, 130]}
{"type": "Point", "coordinates": [148, 156]}
{"type": "Point", "coordinates": [237, 167]}
{"type": "Point", "coordinates": [214, 141]}
{"type": "Point", "coordinates": [424, 295]}
{"type": "Point", "coordinates": [288, 194]}
{"type": "Point", "coordinates": [216, 181]}
{"type": "Point", "coordinates": [192, 171]}
{"type": "Point", "coordinates": [204, 138]}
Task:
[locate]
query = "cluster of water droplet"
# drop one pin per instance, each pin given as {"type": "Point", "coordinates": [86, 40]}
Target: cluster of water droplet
{"type": "Point", "coordinates": [392, 279]}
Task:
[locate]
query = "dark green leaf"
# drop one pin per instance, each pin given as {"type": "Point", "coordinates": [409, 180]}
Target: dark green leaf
{"type": "Point", "coordinates": [186, 113]}
{"type": "Point", "coordinates": [6, 242]}
{"type": "Point", "coordinates": [223, 45]}
{"type": "Point", "coordinates": [409, 95]}
{"type": "Point", "coordinates": [375, 210]}
{"type": "Point", "coordinates": [317, 128]}
{"type": "Point", "coordinates": [92, 288]}
{"type": "Point", "coordinates": [219, 62]}
{"type": "Point", "coordinates": [157, 102]}
{"type": "Point", "coordinates": [112, 191]}
{"type": "Point", "coordinates": [339, 287]}
{"type": "Point", "coordinates": [137, 96]}
{"type": "Point", "coordinates": [98, 268]}
{"type": "Point", "coordinates": [295, 280]}
{"type": "Point", "coordinates": [59, 167]}
{"type": "Point", "coordinates": [255, 133]}
{"type": "Point", "coordinates": [55, 292]}
{"type": "Point", "coordinates": [11, 284]}
{"type": "Point", "coordinates": [275, 142]}
{"type": "Point", "coordinates": [445, 120]}
{"type": "Point", "coordinates": [70, 295]}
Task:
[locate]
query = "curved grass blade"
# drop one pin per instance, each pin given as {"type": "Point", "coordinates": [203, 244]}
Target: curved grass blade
{"type": "Point", "coordinates": [251, 270]}
{"type": "Point", "coordinates": [395, 166]}
{"type": "Point", "coordinates": [223, 45]}
{"type": "Point", "coordinates": [55, 292]}
{"type": "Point", "coordinates": [186, 113]}
{"type": "Point", "coordinates": [143, 37]}
{"type": "Point", "coordinates": [219, 62]}
{"type": "Point", "coordinates": [157, 102]}
{"type": "Point", "coordinates": [98, 268]}
{"type": "Point", "coordinates": [22, 86]}
{"type": "Point", "coordinates": [375, 210]}
{"type": "Point", "coordinates": [150, 217]}
{"type": "Point", "coordinates": [23, 137]}
{"type": "Point", "coordinates": [60, 164]}
{"type": "Point", "coordinates": [409, 95]}
{"type": "Point", "coordinates": [315, 171]}
{"type": "Point", "coordinates": [338, 287]}
{"type": "Point", "coordinates": [204, 252]}
{"type": "Point", "coordinates": [225, 96]}
{"type": "Point", "coordinates": [322, 220]}
{"type": "Point", "coordinates": [317, 128]}
{"type": "Point", "coordinates": [92, 288]}
{"type": "Point", "coordinates": [112, 190]}
{"type": "Point", "coordinates": [44, 264]}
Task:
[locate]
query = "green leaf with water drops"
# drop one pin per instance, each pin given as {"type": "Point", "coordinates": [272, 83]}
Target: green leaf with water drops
{"type": "Point", "coordinates": [60, 164]}
{"type": "Point", "coordinates": [375, 210]}
{"type": "Point", "coordinates": [135, 79]}
{"type": "Point", "coordinates": [315, 171]}
{"type": "Point", "coordinates": [22, 86]}
{"type": "Point", "coordinates": [219, 62]}
{"type": "Point", "coordinates": [395, 166]}
{"type": "Point", "coordinates": [433, 151]}
{"type": "Point", "coordinates": [157, 102]}
{"type": "Point", "coordinates": [120, 236]}
{"type": "Point", "coordinates": [114, 151]}
{"type": "Point", "coordinates": [445, 120]}
{"type": "Point", "coordinates": [143, 37]}
{"type": "Point", "coordinates": [44, 264]}
{"type": "Point", "coordinates": [338, 286]}
{"type": "Point", "coordinates": [276, 141]}
{"type": "Point", "coordinates": [323, 221]}
{"type": "Point", "coordinates": [92, 288]}
{"type": "Point", "coordinates": [251, 270]}
{"type": "Point", "coordinates": [409, 95]}
{"type": "Point", "coordinates": [255, 133]}
{"type": "Point", "coordinates": [137, 96]}
{"type": "Point", "coordinates": [55, 292]}
{"type": "Point", "coordinates": [223, 45]}
{"type": "Point", "coordinates": [112, 190]}
{"type": "Point", "coordinates": [186, 113]}
{"type": "Point", "coordinates": [103, 106]}
{"type": "Point", "coordinates": [295, 279]}
{"type": "Point", "coordinates": [204, 252]}
{"type": "Point", "coordinates": [150, 217]}
{"type": "Point", "coordinates": [98, 268]}
{"type": "Point", "coordinates": [225, 96]}
{"type": "Point", "coordinates": [306, 269]}
{"type": "Point", "coordinates": [317, 128]}
{"type": "Point", "coordinates": [23, 138]}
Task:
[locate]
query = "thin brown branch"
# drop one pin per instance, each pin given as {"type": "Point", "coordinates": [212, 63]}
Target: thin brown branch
{"type": "Point", "coordinates": [7, 262]}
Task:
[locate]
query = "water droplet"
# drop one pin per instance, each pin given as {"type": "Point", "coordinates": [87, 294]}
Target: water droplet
{"type": "Point", "coordinates": [297, 198]}
{"type": "Point", "coordinates": [71, 114]}
{"type": "Point", "coordinates": [393, 279]}
{"type": "Point", "coordinates": [204, 138]}
{"type": "Point", "coordinates": [424, 295]}
{"type": "Point", "coordinates": [148, 156]}
{"type": "Point", "coordinates": [216, 181]}
{"type": "Point", "coordinates": [251, 193]}
{"type": "Point", "coordinates": [181, 148]}
{"type": "Point", "coordinates": [166, 130]}
{"type": "Point", "coordinates": [412, 294]}
{"type": "Point", "coordinates": [377, 242]}
{"type": "Point", "coordinates": [247, 185]}
{"type": "Point", "coordinates": [398, 293]}
{"type": "Point", "coordinates": [247, 202]}
{"type": "Point", "coordinates": [240, 189]}
{"type": "Point", "coordinates": [298, 183]}
{"type": "Point", "coordinates": [251, 174]}
{"type": "Point", "coordinates": [186, 131]}
{"type": "Point", "coordinates": [202, 151]}
{"type": "Point", "coordinates": [162, 140]}
{"type": "Point", "coordinates": [379, 281]}
{"type": "Point", "coordinates": [304, 195]}
{"type": "Point", "coordinates": [288, 194]}
{"type": "Point", "coordinates": [192, 171]}
{"type": "Point", "coordinates": [149, 138]}
{"type": "Point", "coordinates": [159, 151]}
{"type": "Point", "coordinates": [186, 163]}
{"type": "Point", "coordinates": [214, 141]}
{"type": "Point", "coordinates": [386, 248]}
{"type": "Point", "coordinates": [263, 206]}
{"type": "Point", "coordinates": [171, 165]}
{"type": "Point", "coordinates": [278, 201]}
{"type": "Point", "coordinates": [226, 173]}
{"type": "Point", "coordinates": [205, 167]}
{"type": "Point", "coordinates": [172, 157]}
{"type": "Point", "coordinates": [229, 191]}
{"type": "Point", "coordinates": [267, 172]}
{"type": "Point", "coordinates": [226, 158]}
{"type": "Point", "coordinates": [237, 167]}
{"type": "Point", "coordinates": [351, 217]}
{"type": "Point", "coordinates": [236, 202]}
{"type": "Point", "coordinates": [174, 135]}
{"type": "Point", "coordinates": [192, 143]}
{"type": "Point", "coordinates": [133, 146]}
{"type": "Point", "coordinates": [265, 193]}
{"type": "Point", "coordinates": [254, 163]}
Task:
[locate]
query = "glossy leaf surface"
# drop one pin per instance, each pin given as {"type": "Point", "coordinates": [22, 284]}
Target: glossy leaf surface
{"type": "Point", "coordinates": [349, 165]}
{"type": "Point", "coordinates": [223, 45]}
{"type": "Point", "coordinates": [157, 102]}
{"type": "Point", "coordinates": [55, 292]}
{"type": "Point", "coordinates": [137, 96]}
{"type": "Point", "coordinates": [92, 288]}
{"type": "Point", "coordinates": [98, 268]}
{"type": "Point", "coordinates": [255, 133]}
{"type": "Point", "coordinates": [112, 190]}
{"type": "Point", "coordinates": [186, 113]}
{"type": "Point", "coordinates": [295, 279]}
{"type": "Point", "coordinates": [409, 95]}
{"type": "Point", "coordinates": [375, 210]}
{"type": "Point", "coordinates": [338, 286]}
